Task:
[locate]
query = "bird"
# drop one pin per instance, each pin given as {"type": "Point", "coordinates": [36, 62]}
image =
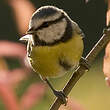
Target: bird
{"type": "Point", "coordinates": [54, 44]}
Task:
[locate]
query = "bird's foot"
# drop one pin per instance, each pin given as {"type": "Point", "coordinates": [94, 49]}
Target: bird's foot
{"type": "Point", "coordinates": [61, 96]}
{"type": "Point", "coordinates": [84, 62]}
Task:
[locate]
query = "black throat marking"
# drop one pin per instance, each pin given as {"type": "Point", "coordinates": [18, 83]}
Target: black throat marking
{"type": "Point", "coordinates": [65, 37]}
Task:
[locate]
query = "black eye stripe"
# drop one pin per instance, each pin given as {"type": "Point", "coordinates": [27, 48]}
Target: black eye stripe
{"type": "Point", "coordinates": [65, 37]}
{"type": "Point", "coordinates": [46, 24]}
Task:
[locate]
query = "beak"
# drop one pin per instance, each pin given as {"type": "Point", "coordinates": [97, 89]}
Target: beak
{"type": "Point", "coordinates": [25, 38]}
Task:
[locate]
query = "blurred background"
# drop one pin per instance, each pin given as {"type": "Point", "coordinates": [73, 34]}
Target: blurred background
{"type": "Point", "coordinates": [22, 89]}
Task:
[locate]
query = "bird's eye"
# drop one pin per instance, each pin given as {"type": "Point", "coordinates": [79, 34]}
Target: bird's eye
{"type": "Point", "coordinates": [45, 24]}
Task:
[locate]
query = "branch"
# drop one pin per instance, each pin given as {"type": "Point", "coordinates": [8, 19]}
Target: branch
{"type": "Point", "coordinates": [82, 69]}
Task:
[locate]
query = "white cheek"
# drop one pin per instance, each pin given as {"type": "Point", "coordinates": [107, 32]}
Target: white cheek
{"type": "Point", "coordinates": [53, 32]}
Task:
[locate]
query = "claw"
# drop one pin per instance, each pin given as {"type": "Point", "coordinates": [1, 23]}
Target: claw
{"type": "Point", "coordinates": [61, 96]}
{"type": "Point", "coordinates": [84, 62]}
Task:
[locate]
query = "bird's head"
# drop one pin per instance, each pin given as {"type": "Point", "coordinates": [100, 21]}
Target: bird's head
{"type": "Point", "coordinates": [48, 26]}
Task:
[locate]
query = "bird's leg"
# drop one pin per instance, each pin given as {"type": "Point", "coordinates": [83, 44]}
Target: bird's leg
{"type": "Point", "coordinates": [59, 94]}
{"type": "Point", "coordinates": [84, 62]}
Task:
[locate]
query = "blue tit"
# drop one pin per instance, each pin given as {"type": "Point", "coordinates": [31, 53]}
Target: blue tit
{"type": "Point", "coordinates": [54, 44]}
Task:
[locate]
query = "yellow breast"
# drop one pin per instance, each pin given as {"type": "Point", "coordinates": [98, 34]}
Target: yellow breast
{"type": "Point", "coordinates": [45, 59]}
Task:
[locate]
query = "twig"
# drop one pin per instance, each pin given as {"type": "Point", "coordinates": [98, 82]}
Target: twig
{"type": "Point", "coordinates": [82, 69]}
